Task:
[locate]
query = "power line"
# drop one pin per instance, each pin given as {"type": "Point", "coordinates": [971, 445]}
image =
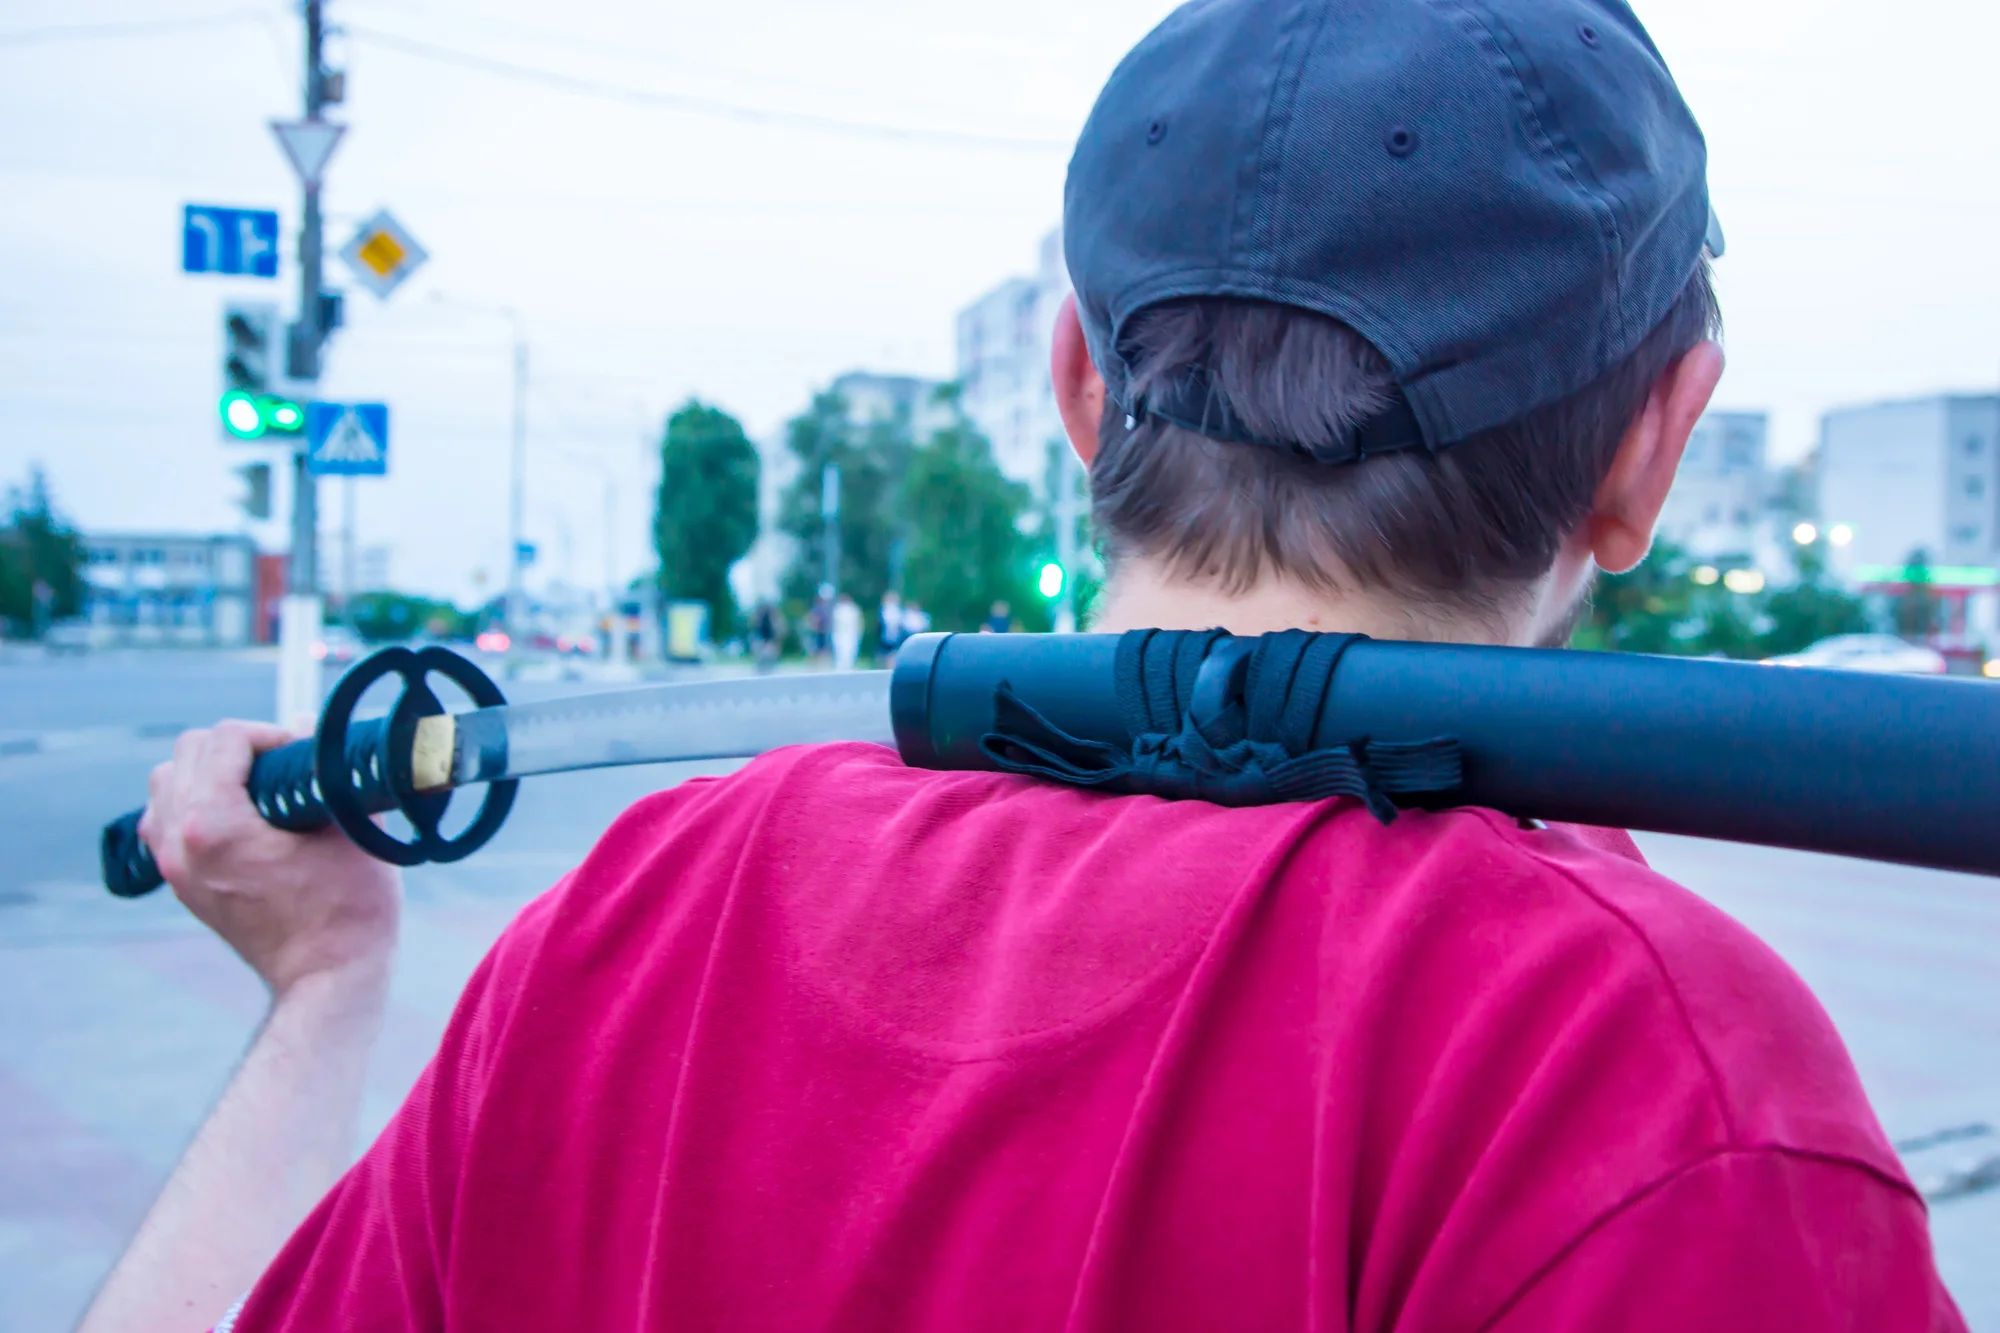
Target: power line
{"type": "Point", "coordinates": [67, 32]}
{"type": "Point", "coordinates": [690, 102]}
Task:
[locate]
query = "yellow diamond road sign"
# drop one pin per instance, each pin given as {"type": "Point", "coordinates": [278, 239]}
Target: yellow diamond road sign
{"type": "Point", "coordinates": [382, 254]}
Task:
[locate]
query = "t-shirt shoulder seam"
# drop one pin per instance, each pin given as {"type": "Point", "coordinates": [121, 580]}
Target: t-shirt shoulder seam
{"type": "Point", "coordinates": [1641, 1193]}
{"type": "Point", "coordinates": [1666, 976]}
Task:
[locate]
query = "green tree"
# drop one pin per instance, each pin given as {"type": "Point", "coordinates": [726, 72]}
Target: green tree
{"type": "Point", "coordinates": [1811, 609]}
{"type": "Point", "coordinates": [873, 459]}
{"type": "Point", "coordinates": [41, 561]}
{"type": "Point", "coordinates": [966, 546]}
{"type": "Point", "coordinates": [389, 616]}
{"type": "Point", "coordinates": [1648, 609]}
{"type": "Point", "coordinates": [706, 517]}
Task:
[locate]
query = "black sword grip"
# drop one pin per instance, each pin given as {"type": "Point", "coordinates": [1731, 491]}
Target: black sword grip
{"type": "Point", "coordinates": [285, 790]}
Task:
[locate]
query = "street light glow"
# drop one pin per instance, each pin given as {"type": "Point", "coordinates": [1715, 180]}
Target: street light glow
{"type": "Point", "coordinates": [1743, 580]}
{"type": "Point", "coordinates": [1805, 534]}
{"type": "Point", "coordinates": [1051, 581]}
{"type": "Point", "coordinates": [1706, 575]}
{"type": "Point", "coordinates": [1840, 534]}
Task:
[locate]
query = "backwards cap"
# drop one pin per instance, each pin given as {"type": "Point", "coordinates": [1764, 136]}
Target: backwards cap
{"type": "Point", "coordinates": [1503, 196]}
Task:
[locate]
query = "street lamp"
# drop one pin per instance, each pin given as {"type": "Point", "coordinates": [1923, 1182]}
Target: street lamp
{"type": "Point", "coordinates": [518, 467]}
{"type": "Point", "coordinates": [1805, 534]}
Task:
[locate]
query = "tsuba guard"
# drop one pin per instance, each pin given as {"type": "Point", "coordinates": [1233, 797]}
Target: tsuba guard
{"type": "Point", "coordinates": [340, 783]}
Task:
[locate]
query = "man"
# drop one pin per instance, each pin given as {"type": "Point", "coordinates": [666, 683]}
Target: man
{"type": "Point", "coordinates": [767, 636]}
{"type": "Point", "coordinates": [846, 632]}
{"type": "Point", "coordinates": [1392, 316]}
{"type": "Point", "coordinates": [889, 625]}
{"type": "Point", "coordinates": [999, 619]}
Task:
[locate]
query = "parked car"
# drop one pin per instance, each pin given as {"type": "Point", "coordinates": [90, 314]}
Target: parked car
{"type": "Point", "coordinates": [337, 643]}
{"type": "Point", "coordinates": [1868, 652]}
{"type": "Point", "coordinates": [67, 636]}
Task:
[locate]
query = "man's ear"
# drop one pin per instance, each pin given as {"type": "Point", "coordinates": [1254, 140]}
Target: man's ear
{"type": "Point", "coordinates": [1620, 526]}
{"type": "Point", "coordinates": [1079, 388]}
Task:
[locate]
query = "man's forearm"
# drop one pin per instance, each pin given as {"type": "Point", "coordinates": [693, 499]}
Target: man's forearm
{"type": "Point", "coordinates": [279, 1137]}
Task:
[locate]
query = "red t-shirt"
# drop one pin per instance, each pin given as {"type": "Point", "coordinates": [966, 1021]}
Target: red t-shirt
{"type": "Point", "coordinates": [835, 1044]}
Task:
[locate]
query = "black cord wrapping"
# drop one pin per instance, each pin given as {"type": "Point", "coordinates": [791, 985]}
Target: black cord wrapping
{"type": "Point", "coordinates": [1225, 720]}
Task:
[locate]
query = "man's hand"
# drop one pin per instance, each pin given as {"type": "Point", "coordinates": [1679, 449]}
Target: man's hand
{"type": "Point", "coordinates": [293, 905]}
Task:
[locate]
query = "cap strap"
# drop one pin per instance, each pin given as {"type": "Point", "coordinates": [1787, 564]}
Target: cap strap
{"type": "Point", "coordinates": [1191, 401]}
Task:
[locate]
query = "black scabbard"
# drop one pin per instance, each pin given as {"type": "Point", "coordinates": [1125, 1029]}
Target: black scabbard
{"type": "Point", "coordinates": [1890, 768]}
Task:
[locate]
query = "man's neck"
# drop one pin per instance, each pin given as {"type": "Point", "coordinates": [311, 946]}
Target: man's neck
{"type": "Point", "coordinates": [1141, 597]}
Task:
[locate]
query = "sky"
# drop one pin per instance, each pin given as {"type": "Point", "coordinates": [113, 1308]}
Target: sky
{"type": "Point", "coordinates": [739, 202]}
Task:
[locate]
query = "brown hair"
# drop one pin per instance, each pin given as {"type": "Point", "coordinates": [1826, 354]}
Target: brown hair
{"type": "Point", "coordinates": [1465, 529]}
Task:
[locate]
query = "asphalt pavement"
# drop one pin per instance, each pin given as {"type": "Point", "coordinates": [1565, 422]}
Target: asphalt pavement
{"type": "Point", "coordinates": [120, 1021]}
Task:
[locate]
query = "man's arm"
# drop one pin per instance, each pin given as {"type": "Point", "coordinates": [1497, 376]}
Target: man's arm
{"type": "Point", "coordinates": [1746, 1240]}
{"type": "Point", "coordinates": [316, 918]}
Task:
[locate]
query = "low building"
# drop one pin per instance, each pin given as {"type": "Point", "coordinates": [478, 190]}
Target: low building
{"type": "Point", "coordinates": [1004, 343]}
{"type": "Point", "coordinates": [171, 589]}
{"type": "Point", "coordinates": [1918, 477]}
{"type": "Point", "coordinates": [1717, 508]}
{"type": "Point", "coordinates": [1913, 475]}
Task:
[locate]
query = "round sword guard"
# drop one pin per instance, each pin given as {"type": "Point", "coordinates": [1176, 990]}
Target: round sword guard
{"type": "Point", "coordinates": [341, 784]}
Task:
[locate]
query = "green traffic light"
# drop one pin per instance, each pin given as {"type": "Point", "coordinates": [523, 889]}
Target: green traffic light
{"type": "Point", "coordinates": [1051, 581]}
{"type": "Point", "coordinates": [241, 416]}
{"type": "Point", "coordinates": [281, 416]}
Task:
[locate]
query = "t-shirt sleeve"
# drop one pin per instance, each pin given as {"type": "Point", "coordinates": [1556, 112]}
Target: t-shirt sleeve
{"type": "Point", "coordinates": [374, 1254]}
{"type": "Point", "coordinates": [1747, 1239]}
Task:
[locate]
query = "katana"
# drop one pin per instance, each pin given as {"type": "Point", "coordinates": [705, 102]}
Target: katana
{"type": "Point", "coordinates": [1889, 768]}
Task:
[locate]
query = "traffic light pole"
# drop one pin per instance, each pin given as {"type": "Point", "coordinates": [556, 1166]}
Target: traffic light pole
{"type": "Point", "coordinates": [299, 615]}
{"type": "Point", "coordinates": [517, 499]}
{"type": "Point", "coordinates": [1067, 465]}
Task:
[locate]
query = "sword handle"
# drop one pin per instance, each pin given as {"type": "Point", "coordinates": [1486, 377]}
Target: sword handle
{"type": "Point", "coordinates": [284, 788]}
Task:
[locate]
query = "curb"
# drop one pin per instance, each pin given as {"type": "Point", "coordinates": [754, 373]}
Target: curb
{"type": "Point", "coordinates": [80, 738]}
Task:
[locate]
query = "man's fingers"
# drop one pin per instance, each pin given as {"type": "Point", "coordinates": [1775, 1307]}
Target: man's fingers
{"type": "Point", "coordinates": [261, 736]}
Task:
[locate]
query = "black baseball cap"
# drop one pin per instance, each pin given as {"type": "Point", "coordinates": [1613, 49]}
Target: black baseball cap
{"type": "Point", "coordinates": [1503, 196]}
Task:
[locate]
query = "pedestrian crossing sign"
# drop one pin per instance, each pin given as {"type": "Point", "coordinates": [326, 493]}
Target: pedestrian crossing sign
{"type": "Point", "coordinates": [382, 254]}
{"type": "Point", "coordinates": [347, 439]}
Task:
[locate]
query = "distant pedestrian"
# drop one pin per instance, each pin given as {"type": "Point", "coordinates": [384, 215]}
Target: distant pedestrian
{"type": "Point", "coordinates": [819, 623]}
{"type": "Point", "coordinates": [890, 633]}
{"type": "Point", "coordinates": [846, 633]}
{"type": "Point", "coordinates": [767, 636]}
{"type": "Point", "coordinates": [915, 620]}
{"type": "Point", "coordinates": [1001, 621]}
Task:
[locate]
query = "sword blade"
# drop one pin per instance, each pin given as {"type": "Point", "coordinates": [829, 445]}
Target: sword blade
{"type": "Point", "coordinates": [658, 724]}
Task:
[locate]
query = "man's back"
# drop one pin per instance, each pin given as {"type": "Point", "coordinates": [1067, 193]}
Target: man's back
{"type": "Point", "coordinates": [836, 1044]}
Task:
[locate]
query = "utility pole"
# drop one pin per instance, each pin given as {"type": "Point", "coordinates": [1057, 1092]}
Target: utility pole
{"type": "Point", "coordinates": [517, 609]}
{"type": "Point", "coordinates": [829, 509]}
{"type": "Point", "coordinates": [300, 613]}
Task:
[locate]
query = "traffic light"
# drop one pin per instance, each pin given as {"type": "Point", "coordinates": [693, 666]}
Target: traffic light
{"type": "Point", "coordinates": [256, 499]}
{"type": "Point", "coordinates": [252, 416]}
{"type": "Point", "coordinates": [251, 406]}
{"type": "Point", "coordinates": [249, 340]}
{"type": "Point", "coordinates": [1050, 581]}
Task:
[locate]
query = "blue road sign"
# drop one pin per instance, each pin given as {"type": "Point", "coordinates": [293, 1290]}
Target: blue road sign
{"type": "Point", "coordinates": [347, 439]}
{"type": "Point", "coordinates": [240, 241]}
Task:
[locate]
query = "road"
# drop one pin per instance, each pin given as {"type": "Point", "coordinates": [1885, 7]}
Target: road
{"type": "Point", "coordinates": [120, 1021]}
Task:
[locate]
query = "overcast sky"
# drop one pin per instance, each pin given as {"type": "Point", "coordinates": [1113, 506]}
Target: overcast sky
{"type": "Point", "coordinates": [656, 250]}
